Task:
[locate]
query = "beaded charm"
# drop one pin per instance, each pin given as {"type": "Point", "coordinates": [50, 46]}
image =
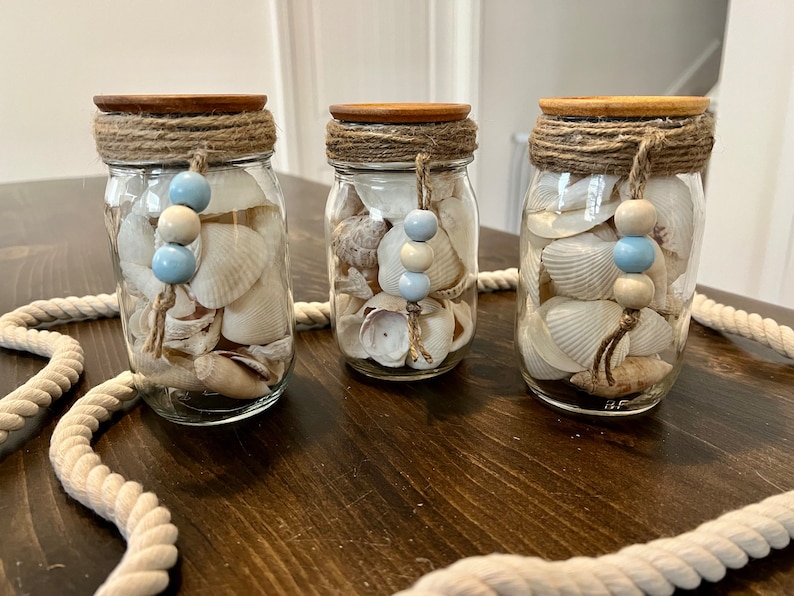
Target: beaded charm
{"type": "Point", "coordinates": [173, 263]}
{"type": "Point", "coordinates": [634, 253]}
{"type": "Point", "coordinates": [416, 256]}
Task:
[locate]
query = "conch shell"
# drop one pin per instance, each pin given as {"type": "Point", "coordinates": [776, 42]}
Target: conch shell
{"type": "Point", "coordinates": [355, 240]}
{"type": "Point", "coordinates": [227, 377]}
{"type": "Point", "coordinates": [635, 374]}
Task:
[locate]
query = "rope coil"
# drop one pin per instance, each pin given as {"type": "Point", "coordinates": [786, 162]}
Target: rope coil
{"type": "Point", "coordinates": [657, 567]}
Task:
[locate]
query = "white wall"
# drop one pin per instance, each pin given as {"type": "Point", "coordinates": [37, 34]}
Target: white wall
{"type": "Point", "coordinates": [55, 56]}
{"type": "Point", "coordinates": [748, 248]}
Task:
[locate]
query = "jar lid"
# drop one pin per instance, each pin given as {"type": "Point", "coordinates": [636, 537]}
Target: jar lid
{"type": "Point", "coordinates": [625, 106]}
{"type": "Point", "coordinates": [400, 113]}
{"type": "Point", "coordinates": [180, 104]}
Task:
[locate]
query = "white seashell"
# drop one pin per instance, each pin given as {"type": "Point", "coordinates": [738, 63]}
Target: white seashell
{"type": "Point", "coordinates": [184, 306]}
{"type": "Point", "coordinates": [348, 207]}
{"type": "Point", "coordinates": [154, 198]}
{"type": "Point", "coordinates": [635, 374]}
{"type": "Point", "coordinates": [605, 232]}
{"type": "Point", "coordinates": [388, 196]}
{"type": "Point", "coordinates": [658, 274]}
{"type": "Point", "coordinates": [172, 370]}
{"type": "Point", "coordinates": [140, 280]}
{"type": "Point", "coordinates": [135, 240]}
{"type": "Point", "coordinates": [354, 284]}
{"type": "Point", "coordinates": [345, 304]}
{"type": "Point", "coordinates": [384, 337]}
{"type": "Point", "coordinates": [536, 241]}
{"type": "Point", "coordinates": [266, 221]}
{"type": "Point", "coordinates": [532, 272]}
{"type": "Point", "coordinates": [536, 366]}
{"type": "Point", "coordinates": [446, 185]}
{"type": "Point", "coordinates": [436, 331]}
{"type": "Point", "coordinates": [270, 369]}
{"type": "Point", "coordinates": [138, 323]}
{"type": "Point", "coordinates": [465, 283]}
{"type": "Point", "coordinates": [464, 324]}
{"type": "Point", "coordinates": [582, 266]}
{"type": "Point", "coordinates": [347, 331]}
{"type": "Point", "coordinates": [458, 222]}
{"type": "Point", "coordinates": [445, 272]}
{"type": "Point", "coordinates": [355, 240]}
{"type": "Point", "coordinates": [281, 349]}
{"type": "Point", "coordinates": [175, 328]}
{"type": "Point", "coordinates": [578, 328]}
{"type": "Point", "coordinates": [229, 378]}
{"type": "Point", "coordinates": [675, 212]}
{"type": "Point", "coordinates": [544, 345]}
{"type": "Point", "coordinates": [261, 315]}
{"type": "Point", "coordinates": [564, 192]}
{"type": "Point", "coordinates": [549, 224]}
{"type": "Point", "coordinates": [201, 342]}
{"type": "Point", "coordinates": [233, 189]}
{"type": "Point", "coordinates": [651, 335]}
{"type": "Point", "coordinates": [232, 259]}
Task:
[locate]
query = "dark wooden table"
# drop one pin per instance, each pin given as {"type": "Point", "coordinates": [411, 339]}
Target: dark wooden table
{"type": "Point", "coordinates": [350, 485]}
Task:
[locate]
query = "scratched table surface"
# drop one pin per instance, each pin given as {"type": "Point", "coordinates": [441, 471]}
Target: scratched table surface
{"type": "Point", "coordinates": [350, 485]}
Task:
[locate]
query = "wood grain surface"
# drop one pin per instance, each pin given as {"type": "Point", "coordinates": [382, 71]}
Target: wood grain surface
{"type": "Point", "coordinates": [350, 485]}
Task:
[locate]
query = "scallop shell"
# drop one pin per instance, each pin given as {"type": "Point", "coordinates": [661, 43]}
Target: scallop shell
{"type": "Point", "coordinates": [354, 284]}
{"type": "Point", "coordinates": [459, 224]}
{"type": "Point", "coordinates": [233, 189]}
{"type": "Point", "coordinates": [261, 315]}
{"type": "Point", "coordinates": [266, 220]}
{"type": "Point", "coordinates": [464, 324]}
{"type": "Point", "coordinates": [355, 240]}
{"type": "Point", "coordinates": [464, 283]}
{"type": "Point", "coordinates": [536, 366]}
{"type": "Point", "coordinates": [281, 349]}
{"type": "Point", "coordinates": [651, 335]}
{"type": "Point", "coordinates": [658, 274]}
{"type": "Point", "coordinates": [388, 196]}
{"type": "Point", "coordinates": [545, 347]}
{"type": "Point", "coordinates": [675, 224]}
{"type": "Point", "coordinates": [533, 273]}
{"type": "Point", "coordinates": [549, 224]}
{"type": "Point", "coordinates": [635, 374]}
{"type": "Point", "coordinates": [140, 280]}
{"type": "Point", "coordinates": [582, 266]}
{"type": "Point", "coordinates": [384, 337]}
{"type": "Point", "coordinates": [229, 378]}
{"type": "Point", "coordinates": [436, 330]}
{"type": "Point", "coordinates": [200, 342]}
{"type": "Point", "coordinates": [578, 328]}
{"type": "Point", "coordinates": [445, 272]}
{"type": "Point", "coordinates": [135, 240]}
{"type": "Point", "coordinates": [232, 259]}
{"type": "Point", "coordinates": [563, 192]}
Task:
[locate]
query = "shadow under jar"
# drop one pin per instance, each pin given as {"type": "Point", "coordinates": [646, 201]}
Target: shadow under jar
{"type": "Point", "coordinates": [610, 239]}
{"type": "Point", "coordinates": [197, 228]}
{"type": "Point", "coordinates": [402, 229]}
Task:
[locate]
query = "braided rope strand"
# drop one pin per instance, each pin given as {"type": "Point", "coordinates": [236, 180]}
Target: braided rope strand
{"type": "Point", "coordinates": [657, 567]}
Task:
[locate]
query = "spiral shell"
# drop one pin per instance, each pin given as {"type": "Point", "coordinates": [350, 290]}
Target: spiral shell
{"type": "Point", "coordinates": [355, 240]}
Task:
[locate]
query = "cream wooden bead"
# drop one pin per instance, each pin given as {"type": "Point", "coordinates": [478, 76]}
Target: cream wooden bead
{"type": "Point", "coordinates": [416, 256]}
{"type": "Point", "coordinates": [635, 217]}
{"type": "Point", "coordinates": [179, 225]}
{"type": "Point", "coordinates": [633, 290]}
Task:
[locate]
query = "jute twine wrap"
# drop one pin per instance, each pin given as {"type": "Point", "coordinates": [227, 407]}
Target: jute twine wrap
{"type": "Point", "coordinates": [421, 144]}
{"type": "Point", "coordinates": [173, 139]}
{"type": "Point", "coordinates": [636, 149]}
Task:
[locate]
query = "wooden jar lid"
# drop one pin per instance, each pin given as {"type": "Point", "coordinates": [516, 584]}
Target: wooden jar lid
{"type": "Point", "coordinates": [625, 106]}
{"type": "Point", "coordinates": [180, 104]}
{"type": "Point", "coordinates": [400, 113]}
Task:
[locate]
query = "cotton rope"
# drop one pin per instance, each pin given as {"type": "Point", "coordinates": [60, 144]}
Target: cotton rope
{"type": "Point", "coordinates": [657, 567]}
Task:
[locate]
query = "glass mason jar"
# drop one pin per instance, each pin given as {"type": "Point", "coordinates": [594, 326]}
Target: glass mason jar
{"type": "Point", "coordinates": [225, 348]}
{"type": "Point", "coordinates": [401, 227]}
{"type": "Point", "coordinates": [610, 239]}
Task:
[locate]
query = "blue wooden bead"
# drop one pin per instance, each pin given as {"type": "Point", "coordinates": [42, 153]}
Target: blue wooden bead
{"type": "Point", "coordinates": [414, 286]}
{"type": "Point", "coordinates": [173, 264]}
{"type": "Point", "coordinates": [190, 189]}
{"type": "Point", "coordinates": [633, 254]}
{"type": "Point", "coordinates": [421, 225]}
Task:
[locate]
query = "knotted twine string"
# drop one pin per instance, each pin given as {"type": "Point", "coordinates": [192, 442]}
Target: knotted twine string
{"type": "Point", "coordinates": [421, 144]}
{"type": "Point", "coordinates": [638, 149]}
{"type": "Point", "coordinates": [197, 141]}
